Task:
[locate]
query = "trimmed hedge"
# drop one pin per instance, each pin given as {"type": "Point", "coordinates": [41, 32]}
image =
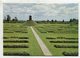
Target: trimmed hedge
{"type": "Point", "coordinates": [18, 31]}
{"type": "Point", "coordinates": [63, 41]}
{"type": "Point", "coordinates": [7, 32]}
{"type": "Point", "coordinates": [16, 41]}
{"type": "Point", "coordinates": [16, 54]}
{"type": "Point", "coordinates": [60, 37]}
{"type": "Point", "coordinates": [71, 38]}
{"type": "Point", "coordinates": [24, 32]}
{"type": "Point", "coordinates": [5, 37]}
{"type": "Point", "coordinates": [65, 46]}
{"type": "Point", "coordinates": [16, 46]}
{"type": "Point", "coordinates": [70, 53]}
{"type": "Point", "coordinates": [23, 37]}
{"type": "Point", "coordinates": [50, 38]}
{"type": "Point", "coordinates": [16, 37]}
{"type": "Point", "coordinates": [21, 31]}
{"type": "Point", "coordinates": [65, 38]}
{"type": "Point", "coordinates": [13, 37]}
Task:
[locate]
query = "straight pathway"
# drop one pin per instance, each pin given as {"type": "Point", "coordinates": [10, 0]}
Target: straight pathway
{"type": "Point", "coordinates": [41, 43]}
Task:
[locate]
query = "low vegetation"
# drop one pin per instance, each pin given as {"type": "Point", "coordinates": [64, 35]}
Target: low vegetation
{"type": "Point", "coordinates": [60, 37]}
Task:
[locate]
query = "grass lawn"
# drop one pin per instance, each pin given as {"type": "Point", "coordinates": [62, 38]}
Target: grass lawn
{"type": "Point", "coordinates": [55, 35]}
{"type": "Point", "coordinates": [33, 49]}
{"type": "Point", "coordinates": [20, 35]}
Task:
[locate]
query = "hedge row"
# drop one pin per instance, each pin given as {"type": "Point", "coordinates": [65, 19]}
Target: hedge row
{"type": "Point", "coordinates": [71, 38]}
{"type": "Point", "coordinates": [7, 32]}
{"type": "Point", "coordinates": [21, 31]}
{"type": "Point", "coordinates": [16, 46]}
{"type": "Point", "coordinates": [63, 41]}
{"type": "Point", "coordinates": [20, 37]}
{"type": "Point", "coordinates": [5, 37]}
{"type": "Point", "coordinates": [17, 37]}
{"type": "Point", "coordinates": [16, 54]}
{"type": "Point", "coordinates": [70, 53]}
{"type": "Point", "coordinates": [15, 31]}
{"type": "Point", "coordinates": [16, 41]}
{"type": "Point", "coordinates": [60, 38]}
{"type": "Point", "coordinates": [64, 46]}
{"type": "Point", "coordinates": [65, 38]}
{"type": "Point", "coordinates": [23, 37]}
{"type": "Point", "coordinates": [50, 38]}
{"type": "Point", "coordinates": [24, 32]}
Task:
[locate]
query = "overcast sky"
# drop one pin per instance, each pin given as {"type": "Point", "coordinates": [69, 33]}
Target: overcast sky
{"type": "Point", "coordinates": [41, 11]}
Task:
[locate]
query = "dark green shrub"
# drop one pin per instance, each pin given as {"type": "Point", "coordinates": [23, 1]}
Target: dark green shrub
{"type": "Point", "coordinates": [23, 37]}
{"type": "Point", "coordinates": [16, 46]}
{"type": "Point", "coordinates": [60, 37]}
{"type": "Point", "coordinates": [71, 38]}
{"type": "Point", "coordinates": [63, 41]}
{"type": "Point", "coordinates": [16, 41]}
{"type": "Point", "coordinates": [70, 53]}
{"type": "Point", "coordinates": [5, 37]}
{"type": "Point", "coordinates": [50, 38]}
{"type": "Point", "coordinates": [65, 46]}
{"type": "Point", "coordinates": [16, 54]}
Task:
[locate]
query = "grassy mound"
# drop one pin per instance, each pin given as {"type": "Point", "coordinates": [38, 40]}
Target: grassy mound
{"type": "Point", "coordinates": [30, 23]}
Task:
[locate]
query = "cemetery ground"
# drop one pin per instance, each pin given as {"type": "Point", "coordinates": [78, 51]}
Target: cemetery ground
{"type": "Point", "coordinates": [60, 39]}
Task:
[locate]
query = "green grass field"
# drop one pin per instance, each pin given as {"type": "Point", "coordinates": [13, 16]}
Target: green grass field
{"type": "Point", "coordinates": [58, 32]}
{"type": "Point", "coordinates": [64, 36]}
{"type": "Point", "coordinates": [17, 30]}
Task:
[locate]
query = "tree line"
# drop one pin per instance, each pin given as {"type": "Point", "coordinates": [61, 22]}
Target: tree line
{"type": "Point", "coordinates": [72, 21]}
{"type": "Point", "coordinates": [15, 19]}
{"type": "Point", "coordinates": [8, 19]}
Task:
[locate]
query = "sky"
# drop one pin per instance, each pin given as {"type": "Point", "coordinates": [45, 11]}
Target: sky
{"type": "Point", "coordinates": [41, 11]}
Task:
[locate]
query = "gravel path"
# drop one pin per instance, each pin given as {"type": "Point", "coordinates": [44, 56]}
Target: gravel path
{"type": "Point", "coordinates": [41, 43]}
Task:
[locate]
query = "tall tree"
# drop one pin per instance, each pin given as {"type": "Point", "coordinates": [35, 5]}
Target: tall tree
{"type": "Point", "coordinates": [52, 20]}
{"type": "Point", "coordinates": [70, 20]}
{"type": "Point", "coordinates": [63, 21]}
{"type": "Point", "coordinates": [8, 18]}
{"type": "Point", "coordinates": [16, 19]}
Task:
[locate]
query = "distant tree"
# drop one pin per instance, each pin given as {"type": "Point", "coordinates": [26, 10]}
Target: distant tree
{"type": "Point", "coordinates": [47, 20]}
{"type": "Point", "coordinates": [52, 20]}
{"type": "Point", "coordinates": [63, 21]}
{"type": "Point", "coordinates": [8, 18]}
{"type": "Point", "coordinates": [16, 19]}
{"type": "Point", "coordinates": [71, 20]}
{"type": "Point", "coordinates": [55, 20]}
{"type": "Point", "coordinates": [74, 20]}
{"type": "Point", "coordinates": [13, 19]}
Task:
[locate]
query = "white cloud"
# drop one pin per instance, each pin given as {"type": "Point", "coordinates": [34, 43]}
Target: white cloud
{"type": "Point", "coordinates": [41, 10]}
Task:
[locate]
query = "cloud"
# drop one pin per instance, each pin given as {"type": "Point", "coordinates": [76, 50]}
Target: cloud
{"type": "Point", "coordinates": [42, 11]}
